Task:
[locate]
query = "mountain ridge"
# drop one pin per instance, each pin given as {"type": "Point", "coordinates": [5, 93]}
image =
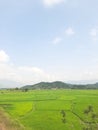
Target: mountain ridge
{"type": "Point", "coordinates": [60, 85]}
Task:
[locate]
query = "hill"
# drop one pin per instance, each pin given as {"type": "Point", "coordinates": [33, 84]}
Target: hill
{"type": "Point", "coordinates": [59, 85]}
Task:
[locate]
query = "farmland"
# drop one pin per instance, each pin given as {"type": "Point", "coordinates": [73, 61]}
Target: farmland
{"type": "Point", "coordinates": [51, 109]}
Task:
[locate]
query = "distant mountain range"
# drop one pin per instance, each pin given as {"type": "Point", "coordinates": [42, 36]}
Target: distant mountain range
{"type": "Point", "coordinates": [60, 85]}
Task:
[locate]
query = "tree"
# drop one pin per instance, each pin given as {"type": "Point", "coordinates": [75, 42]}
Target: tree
{"type": "Point", "coordinates": [63, 116]}
{"type": "Point", "coordinates": [26, 90]}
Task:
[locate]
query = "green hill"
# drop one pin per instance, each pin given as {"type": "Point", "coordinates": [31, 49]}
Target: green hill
{"type": "Point", "coordinates": [59, 85]}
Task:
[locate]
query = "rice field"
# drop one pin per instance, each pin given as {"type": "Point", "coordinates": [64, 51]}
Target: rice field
{"type": "Point", "coordinates": [51, 109]}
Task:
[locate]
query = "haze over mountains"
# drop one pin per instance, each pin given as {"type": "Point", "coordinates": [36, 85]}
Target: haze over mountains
{"type": "Point", "coordinates": [51, 85]}
{"type": "Point", "coordinates": [9, 84]}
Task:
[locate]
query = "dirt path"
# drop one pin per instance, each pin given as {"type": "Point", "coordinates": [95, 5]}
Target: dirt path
{"type": "Point", "coordinates": [2, 127]}
{"type": "Point", "coordinates": [6, 123]}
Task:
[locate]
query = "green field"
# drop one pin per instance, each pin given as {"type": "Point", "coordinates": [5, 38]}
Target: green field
{"type": "Point", "coordinates": [51, 109]}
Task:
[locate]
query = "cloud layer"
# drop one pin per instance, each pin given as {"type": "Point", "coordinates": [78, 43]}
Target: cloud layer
{"type": "Point", "coordinates": [3, 56]}
{"type": "Point", "coordinates": [31, 74]}
{"type": "Point", "coordinates": [57, 40]}
{"type": "Point", "coordinates": [94, 34]}
{"type": "Point", "coordinates": [69, 31]}
{"type": "Point", "coordinates": [22, 74]}
{"type": "Point", "coordinates": [50, 3]}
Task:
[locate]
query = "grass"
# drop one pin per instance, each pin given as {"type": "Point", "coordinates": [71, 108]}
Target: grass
{"type": "Point", "coordinates": [41, 109]}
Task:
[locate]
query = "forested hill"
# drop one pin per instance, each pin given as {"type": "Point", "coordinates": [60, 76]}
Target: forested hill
{"type": "Point", "coordinates": [59, 85]}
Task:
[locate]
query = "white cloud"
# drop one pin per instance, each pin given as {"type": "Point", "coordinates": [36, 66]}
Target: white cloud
{"type": "Point", "coordinates": [50, 3]}
{"type": "Point", "coordinates": [22, 74]}
{"type": "Point", "coordinates": [94, 33]}
{"type": "Point", "coordinates": [31, 74]}
{"type": "Point", "coordinates": [69, 31]}
{"type": "Point", "coordinates": [3, 56]}
{"type": "Point", "coordinates": [57, 40]}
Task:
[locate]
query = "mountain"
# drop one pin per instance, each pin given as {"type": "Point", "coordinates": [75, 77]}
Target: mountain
{"type": "Point", "coordinates": [47, 85]}
{"type": "Point", "coordinates": [59, 85]}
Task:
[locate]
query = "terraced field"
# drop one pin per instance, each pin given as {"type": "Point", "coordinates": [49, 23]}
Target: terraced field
{"type": "Point", "coordinates": [51, 109]}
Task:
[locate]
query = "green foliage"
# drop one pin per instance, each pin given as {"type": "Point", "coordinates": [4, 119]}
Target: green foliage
{"type": "Point", "coordinates": [52, 109]}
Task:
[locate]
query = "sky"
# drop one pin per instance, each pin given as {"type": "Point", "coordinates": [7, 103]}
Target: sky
{"type": "Point", "coordinates": [48, 40]}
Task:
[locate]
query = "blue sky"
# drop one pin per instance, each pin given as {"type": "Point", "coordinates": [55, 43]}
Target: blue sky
{"type": "Point", "coordinates": [48, 40]}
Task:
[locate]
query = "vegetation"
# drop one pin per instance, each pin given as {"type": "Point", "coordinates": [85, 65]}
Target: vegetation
{"type": "Point", "coordinates": [50, 109]}
{"type": "Point", "coordinates": [59, 85]}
